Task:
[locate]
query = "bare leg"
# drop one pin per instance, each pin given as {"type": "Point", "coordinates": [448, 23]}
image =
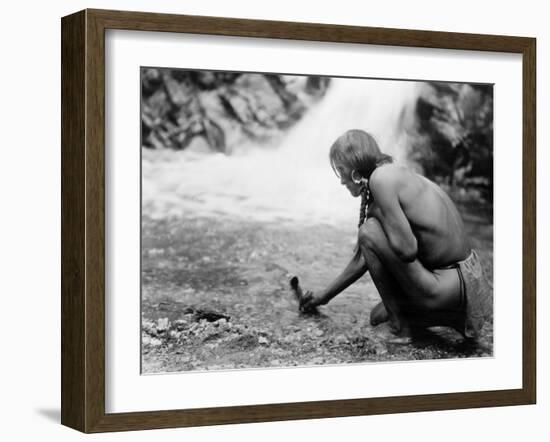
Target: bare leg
{"type": "Point", "coordinates": [389, 291]}
{"type": "Point", "coordinates": [379, 314]}
{"type": "Point", "coordinates": [410, 292]}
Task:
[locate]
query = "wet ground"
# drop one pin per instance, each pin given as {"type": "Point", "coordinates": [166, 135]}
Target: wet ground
{"type": "Point", "coordinates": [215, 295]}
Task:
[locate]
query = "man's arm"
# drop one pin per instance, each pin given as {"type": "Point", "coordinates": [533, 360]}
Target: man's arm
{"type": "Point", "coordinates": [385, 188]}
{"type": "Point", "coordinates": [356, 268]}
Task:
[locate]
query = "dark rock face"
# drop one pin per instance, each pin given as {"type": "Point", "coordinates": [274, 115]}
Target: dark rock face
{"type": "Point", "coordinates": [454, 140]}
{"type": "Point", "coordinates": [222, 108]}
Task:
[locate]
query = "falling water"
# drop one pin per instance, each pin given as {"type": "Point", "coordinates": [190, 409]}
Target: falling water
{"type": "Point", "coordinates": [293, 181]}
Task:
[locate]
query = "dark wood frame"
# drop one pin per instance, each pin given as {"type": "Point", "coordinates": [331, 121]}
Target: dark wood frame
{"type": "Point", "coordinates": [83, 220]}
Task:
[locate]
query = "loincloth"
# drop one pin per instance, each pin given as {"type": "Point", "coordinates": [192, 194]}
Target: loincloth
{"type": "Point", "coordinates": [476, 296]}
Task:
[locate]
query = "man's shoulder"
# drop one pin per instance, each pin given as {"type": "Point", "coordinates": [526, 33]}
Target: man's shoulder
{"type": "Point", "coordinates": [390, 175]}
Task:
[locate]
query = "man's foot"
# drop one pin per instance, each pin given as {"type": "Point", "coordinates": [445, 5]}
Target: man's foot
{"type": "Point", "coordinates": [408, 333]}
{"type": "Point", "coordinates": [379, 314]}
{"type": "Point", "coordinates": [401, 340]}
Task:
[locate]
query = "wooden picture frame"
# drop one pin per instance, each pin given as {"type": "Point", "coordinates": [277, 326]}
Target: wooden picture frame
{"type": "Point", "coordinates": [83, 220]}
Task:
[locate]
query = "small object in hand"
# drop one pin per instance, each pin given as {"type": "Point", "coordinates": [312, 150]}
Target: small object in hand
{"type": "Point", "coordinates": [296, 289]}
{"type": "Point", "coordinates": [301, 297]}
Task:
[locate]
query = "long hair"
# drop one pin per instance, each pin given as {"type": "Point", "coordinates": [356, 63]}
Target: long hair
{"type": "Point", "coordinates": [359, 151]}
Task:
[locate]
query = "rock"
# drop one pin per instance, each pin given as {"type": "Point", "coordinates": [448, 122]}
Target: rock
{"type": "Point", "coordinates": [151, 342]}
{"type": "Point", "coordinates": [225, 109]}
{"type": "Point", "coordinates": [341, 339]}
{"type": "Point", "coordinates": [174, 334]}
{"type": "Point", "coordinates": [380, 349]}
{"type": "Point", "coordinates": [155, 252]}
{"type": "Point", "coordinates": [199, 144]}
{"type": "Point", "coordinates": [211, 337]}
{"type": "Point", "coordinates": [206, 79]}
{"type": "Point", "coordinates": [317, 86]}
{"type": "Point", "coordinates": [244, 342]}
{"type": "Point", "coordinates": [209, 315]}
{"type": "Point", "coordinates": [237, 107]}
{"type": "Point", "coordinates": [163, 324]}
{"type": "Point", "coordinates": [179, 93]}
{"type": "Point", "coordinates": [181, 324]}
{"type": "Point", "coordinates": [454, 142]}
{"type": "Point", "coordinates": [263, 340]}
{"type": "Point", "coordinates": [149, 327]}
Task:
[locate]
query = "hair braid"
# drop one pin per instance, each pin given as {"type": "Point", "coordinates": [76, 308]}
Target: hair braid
{"type": "Point", "coordinates": [365, 197]}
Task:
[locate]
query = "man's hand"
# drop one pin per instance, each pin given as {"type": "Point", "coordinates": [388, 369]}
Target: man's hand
{"type": "Point", "coordinates": [310, 301]}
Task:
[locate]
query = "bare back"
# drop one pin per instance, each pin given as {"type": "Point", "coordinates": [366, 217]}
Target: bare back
{"type": "Point", "coordinates": [433, 217]}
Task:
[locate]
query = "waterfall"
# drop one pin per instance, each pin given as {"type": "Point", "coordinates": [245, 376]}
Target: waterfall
{"type": "Point", "coordinates": [292, 181]}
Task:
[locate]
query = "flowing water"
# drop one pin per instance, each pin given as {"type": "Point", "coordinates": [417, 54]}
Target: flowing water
{"type": "Point", "coordinates": [290, 181]}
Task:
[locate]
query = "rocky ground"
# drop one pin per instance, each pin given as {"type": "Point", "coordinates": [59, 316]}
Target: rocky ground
{"type": "Point", "coordinates": [215, 295]}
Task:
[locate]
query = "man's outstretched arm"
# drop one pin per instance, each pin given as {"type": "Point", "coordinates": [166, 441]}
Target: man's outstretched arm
{"type": "Point", "coordinates": [356, 268]}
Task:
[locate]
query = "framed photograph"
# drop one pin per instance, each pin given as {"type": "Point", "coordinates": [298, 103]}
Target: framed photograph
{"type": "Point", "coordinates": [267, 220]}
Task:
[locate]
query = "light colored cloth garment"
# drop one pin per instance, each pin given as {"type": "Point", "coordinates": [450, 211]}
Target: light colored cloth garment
{"type": "Point", "coordinates": [476, 294]}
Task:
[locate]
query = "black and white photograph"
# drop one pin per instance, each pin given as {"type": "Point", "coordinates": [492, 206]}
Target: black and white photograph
{"type": "Point", "coordinates": [307, 220]}
{"type": "Point", "coordinates": [259, 221]}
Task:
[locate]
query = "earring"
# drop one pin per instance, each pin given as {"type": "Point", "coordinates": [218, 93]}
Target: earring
{"type": "Point", "coordinates": [359, 180]}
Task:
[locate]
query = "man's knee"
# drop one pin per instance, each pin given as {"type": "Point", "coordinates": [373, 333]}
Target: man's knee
{"type": "Point", "coordinates": [371, 235]}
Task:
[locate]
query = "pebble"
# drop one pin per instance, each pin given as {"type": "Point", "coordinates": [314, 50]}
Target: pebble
{"type": "Point", "coordinates": [162, 325]}
{"type": "Point", "coordinates": [380, 349]}
{"type": "Point", "coordinates": [153, 342]}
{"type": "Point", "coordinates": [341, 339]}
{"type": "Point", "coordinates": [149, 327]}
